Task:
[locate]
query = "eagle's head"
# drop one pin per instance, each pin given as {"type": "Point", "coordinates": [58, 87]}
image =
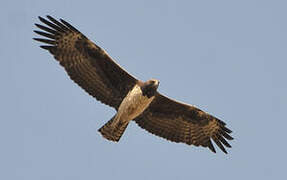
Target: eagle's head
{"type": "Point", "coordinates": [149, 87]}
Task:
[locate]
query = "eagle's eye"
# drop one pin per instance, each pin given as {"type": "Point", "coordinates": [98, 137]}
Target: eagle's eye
{"type": "Point", "coordinates": [155, 82]}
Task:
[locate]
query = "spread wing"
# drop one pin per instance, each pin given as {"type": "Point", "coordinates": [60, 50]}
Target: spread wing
{"type": "Point", "coordinates": [86, 63]}
{"type": "Point", "coordinates": [180, 122]}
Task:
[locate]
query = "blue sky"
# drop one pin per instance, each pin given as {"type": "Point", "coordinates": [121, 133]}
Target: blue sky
{"type": "Point", "coordinates": [226, 57]}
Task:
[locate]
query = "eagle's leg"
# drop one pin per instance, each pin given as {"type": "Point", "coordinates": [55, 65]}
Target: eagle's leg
{"type": "Point", "coordinates": [112, 130]}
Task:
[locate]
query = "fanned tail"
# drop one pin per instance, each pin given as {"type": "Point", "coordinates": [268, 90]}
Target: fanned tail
{"type": "Point", "coordinates": [113, 133]}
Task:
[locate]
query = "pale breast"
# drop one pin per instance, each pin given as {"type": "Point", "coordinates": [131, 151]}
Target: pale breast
{"type": "Point", "coordinates": [133, 104]}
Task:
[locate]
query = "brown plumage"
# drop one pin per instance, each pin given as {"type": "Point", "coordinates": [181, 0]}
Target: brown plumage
{"type": "Point", "coordinates": [113, 134]}
{"type": "Point", "coordinates": [95, 71]}
{"type": "Point", "coordinates": [180, 122]}
{"type": "Point", "coordinates": [86, 63]}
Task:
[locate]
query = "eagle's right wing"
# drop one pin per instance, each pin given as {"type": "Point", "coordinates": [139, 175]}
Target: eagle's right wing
{"type": "Point", "coordinates": [85, 62]}
{"type": "Point", "coordinates": [179, 122]}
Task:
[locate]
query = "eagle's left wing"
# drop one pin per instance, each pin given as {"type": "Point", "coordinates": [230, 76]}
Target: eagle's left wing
{"type": "Point", "coordinates": [179, 122]}
{"type": "Point", "coordinates": [87, 64]}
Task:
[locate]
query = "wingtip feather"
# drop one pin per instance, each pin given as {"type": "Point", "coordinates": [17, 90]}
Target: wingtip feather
{"type": "Point", "coordinates": [210, 146]}
{"type": "Point", "coordinates": [227, 130]}
{"type": "Point", "coordinates": [69, 25]}
{"type": "Point", "coordinates": [45, 41]}
{"type": "Point", "coordinates": [222, 140]}
{"type": "Point", "coordinates": [51, 36]}
{"type": "Point", "coordinates": [219, 144]}
{"type": "Point", "coordinates": [46, 47]}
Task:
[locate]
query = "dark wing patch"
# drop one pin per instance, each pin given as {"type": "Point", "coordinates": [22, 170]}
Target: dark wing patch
{"type": "Point", "coordinates": [85, 62]}
{"type": "Point", "coordinates": [179, 122]}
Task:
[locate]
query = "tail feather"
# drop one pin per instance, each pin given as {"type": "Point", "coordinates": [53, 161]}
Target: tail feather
{"type": "Point", "coordinates": [113, 133]}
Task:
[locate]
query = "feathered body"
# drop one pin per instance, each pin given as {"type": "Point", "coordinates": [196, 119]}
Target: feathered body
{"type": "Point", "coordinates": [131, 107]}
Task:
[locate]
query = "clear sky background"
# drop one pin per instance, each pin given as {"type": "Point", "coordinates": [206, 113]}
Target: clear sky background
{"type": "Point", "coordinates": [226, 57]}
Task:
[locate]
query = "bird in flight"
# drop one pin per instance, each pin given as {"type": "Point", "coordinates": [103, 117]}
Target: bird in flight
{"type": "Point", "coordinates": [98, 74]}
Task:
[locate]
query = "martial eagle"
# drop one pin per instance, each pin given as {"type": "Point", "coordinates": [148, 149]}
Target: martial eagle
{"type": "Point", "coordinates": [98, 74]}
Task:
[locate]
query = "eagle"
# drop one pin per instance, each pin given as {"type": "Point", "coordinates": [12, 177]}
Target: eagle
{"type": "Point", "coordinates": [90, 66]}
